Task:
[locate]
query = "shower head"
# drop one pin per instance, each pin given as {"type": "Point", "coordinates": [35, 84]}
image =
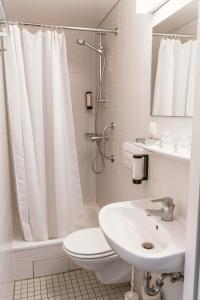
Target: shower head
{"type": "Point", "coordinates": [84, 43]}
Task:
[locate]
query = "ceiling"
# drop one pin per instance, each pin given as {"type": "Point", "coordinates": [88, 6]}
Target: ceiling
{"type": "Point", "coordinates": [84, 13]}
{"type": "Point", "coordinates": [147, 6]}
{"type": "Point", "coordinates": [183, 16]}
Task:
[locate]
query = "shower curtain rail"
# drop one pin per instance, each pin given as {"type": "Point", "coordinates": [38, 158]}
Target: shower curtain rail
{"type": "Point", "coordinates": [97, 30]}
{"type": "Point", "coordinates": [175, 35]}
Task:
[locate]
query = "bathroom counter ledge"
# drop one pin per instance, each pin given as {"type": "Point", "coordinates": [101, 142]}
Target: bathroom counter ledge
{"type": "Point", "coordinates": [164, 152]}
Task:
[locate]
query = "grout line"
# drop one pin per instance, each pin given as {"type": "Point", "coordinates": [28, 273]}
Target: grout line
{"type": "Point", "coordinates": [56, 286]}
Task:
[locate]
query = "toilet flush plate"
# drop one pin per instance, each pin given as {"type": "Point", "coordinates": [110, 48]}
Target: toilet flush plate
{"type": "Point", "coordinates": [144, 241]}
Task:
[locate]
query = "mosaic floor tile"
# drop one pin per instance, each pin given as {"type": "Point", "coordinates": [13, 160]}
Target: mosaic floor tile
{"type": "Point", "coordinates": [73, 285]}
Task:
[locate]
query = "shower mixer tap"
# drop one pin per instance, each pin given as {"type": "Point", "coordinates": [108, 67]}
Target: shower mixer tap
{"type": "Point", "coordinates": [111, 125]}
{"type": "Point", "coordinates": [96, 138]}
{"type": "Point", "coordinates": [99, 139]}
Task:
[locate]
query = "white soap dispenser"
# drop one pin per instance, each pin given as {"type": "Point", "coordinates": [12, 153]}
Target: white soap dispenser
{"type": "Point", "coordinates": [140, 168]}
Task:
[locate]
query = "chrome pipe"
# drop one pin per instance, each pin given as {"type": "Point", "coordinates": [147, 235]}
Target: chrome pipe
{"type": "Point", "coordinates": [85, 43]}
{"type": "Point", "coordinates": [156, 287]}
{"type": "Point", "coordinates": [151, 290]}
{"type": "Point", "coordinates": [174, 35]}
{"type": "Point", "coordinates": [96, 138]}
{"type": "Point", "coordinates": [100, 66]}
{"type": "Point", "coordinates": [97, 30]}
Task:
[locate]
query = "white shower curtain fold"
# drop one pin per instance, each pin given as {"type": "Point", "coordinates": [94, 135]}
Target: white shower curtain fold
{"type": "Point", "coordinates": [181, 71]}
{"type": "Point", "coordinates": [163, 91]}
{"type": "Point", "coordinates": [42, 134]}
{"type": "Point", "coordinates": [175, 78]}
{"type": "Point", "coordinates": [191, 80]}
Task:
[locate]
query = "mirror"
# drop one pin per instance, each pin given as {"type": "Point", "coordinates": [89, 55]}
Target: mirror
{"type": "Point", "coordinates": [174, 50]}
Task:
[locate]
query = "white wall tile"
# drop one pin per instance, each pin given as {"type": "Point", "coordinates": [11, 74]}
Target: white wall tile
{"type": "Point", "coordinates": [40, 260]}
{"type": "Point", "coordinates": [128, 86]}
{"type": "Point", "coordinates": [51, 266]}
{"type": "Point", "coordinates": [81, 62]}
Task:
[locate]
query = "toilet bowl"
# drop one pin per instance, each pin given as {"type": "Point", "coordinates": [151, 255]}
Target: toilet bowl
{"type": "Point", "coordinates": [89, 249]}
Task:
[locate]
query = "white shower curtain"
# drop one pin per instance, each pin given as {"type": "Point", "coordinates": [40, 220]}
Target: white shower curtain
{"type": "Point", "coordinates": [175, 78]}
{"type": "Point", "coordinates": [42, 134]}
{"type": "Point", "coordinates": [191, 80]}
{"type": "Point", "coordinates": [163, 92]}
{"type": "Point", "coordinates": [181, 71]}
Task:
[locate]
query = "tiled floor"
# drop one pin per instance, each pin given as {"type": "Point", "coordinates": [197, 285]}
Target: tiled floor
{"type": "Point", "coordinates": [77, 285]}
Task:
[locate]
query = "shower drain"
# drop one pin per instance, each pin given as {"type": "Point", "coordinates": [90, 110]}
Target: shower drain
{"type": "Point", "coordinates": [147, 245]}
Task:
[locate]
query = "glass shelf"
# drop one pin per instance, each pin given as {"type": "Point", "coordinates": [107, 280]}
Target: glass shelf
{"type": "Point", "coordinates": [165, 152]}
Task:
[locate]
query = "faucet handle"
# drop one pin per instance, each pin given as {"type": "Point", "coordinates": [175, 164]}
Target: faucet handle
{"type": "Point", "coordinates": [167, 201]}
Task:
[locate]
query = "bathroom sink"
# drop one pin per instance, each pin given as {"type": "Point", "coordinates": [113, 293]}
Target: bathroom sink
{"type": "Point", "coordinates": [144, 241]}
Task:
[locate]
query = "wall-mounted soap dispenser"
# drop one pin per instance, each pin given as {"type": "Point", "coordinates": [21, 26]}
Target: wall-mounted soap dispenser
{"type": "Point", "coordinates": [140, 168]}
{"type": "Point", "coordinates": [88, 100]}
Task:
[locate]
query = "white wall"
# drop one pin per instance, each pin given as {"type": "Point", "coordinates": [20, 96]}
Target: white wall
{"type": "Point", "coordinates": [6, 237]}
{"type": "Point", "coordinates": [81, 62]}
{"type": "Point", "coordinates": [128, 87]}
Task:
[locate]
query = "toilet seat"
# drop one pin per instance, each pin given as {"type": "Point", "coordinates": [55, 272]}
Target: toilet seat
{"type": "Point", "coordinates": [88, 249]}
{"type": "Point", "coordinates": [88, 243]}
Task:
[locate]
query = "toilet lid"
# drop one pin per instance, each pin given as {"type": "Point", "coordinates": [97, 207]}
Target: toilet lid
{"type": "Point", "coordinates": [87, 242]}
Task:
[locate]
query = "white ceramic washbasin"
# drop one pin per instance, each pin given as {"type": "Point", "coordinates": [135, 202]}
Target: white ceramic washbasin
{"type": "Point", "coordinates": [126, 227]}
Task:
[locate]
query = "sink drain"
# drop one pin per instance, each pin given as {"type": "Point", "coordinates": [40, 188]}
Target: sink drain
{"type": "Point", "coordinates": [147, 245]}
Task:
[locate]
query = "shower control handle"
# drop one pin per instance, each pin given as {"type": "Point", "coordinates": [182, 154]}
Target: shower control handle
{"type": "Point", "coordinates": [96, 138]}
{"type": "Point", "coordinates": [105, 137]}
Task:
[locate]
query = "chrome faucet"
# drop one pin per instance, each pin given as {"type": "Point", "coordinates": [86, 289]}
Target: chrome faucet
{"type": "Point", "coordinates": [167, 210]}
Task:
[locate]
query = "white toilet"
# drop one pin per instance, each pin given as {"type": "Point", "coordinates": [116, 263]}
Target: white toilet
{"type": "Point", "coordinates": [89, 249]}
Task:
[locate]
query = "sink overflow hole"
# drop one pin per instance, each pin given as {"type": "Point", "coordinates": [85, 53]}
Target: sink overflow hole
{"type": "Point", "coordinates": [147, 245]}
